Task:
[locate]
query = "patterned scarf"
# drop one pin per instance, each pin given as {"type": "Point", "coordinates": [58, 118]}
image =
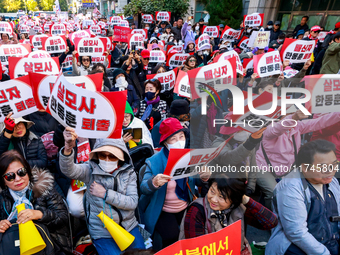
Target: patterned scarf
{"type": "Point", "coordinates": [222, 216]}
{"type": "Point", "coordinates": [19, 197]}
{"type": "Point", "coordinates": [148, 109]}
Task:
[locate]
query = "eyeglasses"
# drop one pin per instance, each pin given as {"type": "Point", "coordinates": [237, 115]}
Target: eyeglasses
{"type": "Point", "coordinates": [86, 59]}
{"type": "Point", "coordinates": [152, 80]}
{"type": "Point", "coordinates": [127, 117]}
{"type": "Point", "coordinates": [146, 59]}
{"type": "Point", "coordinates": [11, 176]}
{"type": "Point", "coordinates": [192, 60]}
{"type": "Point", "coordinates": [316, 31]}
{"type": "Point", "coordinates": [102, 156]}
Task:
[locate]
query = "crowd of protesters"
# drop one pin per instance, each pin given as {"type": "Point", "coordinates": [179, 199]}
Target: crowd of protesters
{"type": "Point", "coordinates": [125, 177]}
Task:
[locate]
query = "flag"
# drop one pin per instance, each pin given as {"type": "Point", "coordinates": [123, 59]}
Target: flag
{"type": "Point", "coordinates": [96, 11]}
{"type": "Point", "coordinates": [56, 2]}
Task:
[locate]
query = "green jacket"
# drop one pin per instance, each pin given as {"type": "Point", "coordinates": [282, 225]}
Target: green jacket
{"type": "Point", "coordinates": [331, 60]}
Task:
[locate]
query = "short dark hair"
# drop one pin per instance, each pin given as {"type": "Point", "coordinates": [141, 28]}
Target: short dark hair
{"type": "Point", "coordinates": [156, 83]}
{"type": "Point", "coordinates": [81, 59]}
{"type": "Point", "coordinates": [308, 150]}
{"type": "Point", "coordinates": [307, 18]}
{"type": "Point", "coordinates": [8, 158]}
{"type": "Point", "coordinates": [282, 36]}
{"type": "Point", "coordinates": [336, 36]}
{"type": "Point", "coordinates": [264, 83]}
{"type": "Point", "coordinates": [180, 18]}
{"type": "Point", "coordinates": [231, 188]}
{"type": "Point", "coordinates": [186, 62]}
{"type": "Point", "coordinates": [157, 67]}
{"type": "Point", "coordinates": [99, 65]}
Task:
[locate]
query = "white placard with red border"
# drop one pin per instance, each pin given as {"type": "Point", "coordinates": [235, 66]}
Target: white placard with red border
{"type": "Point", "coordinates": [176, 59]}
{"type": "Point", "coordinates": [124, 23]}
{"type": "Point", "coordinates": [230, 34]}
{"type": "Point", "coordinates": [243, 44]}
{"type": "Point", "coordinates": [91, 114]}
{"type": "Point", "coordinates": [268, 64]}
{"type": "Point", "coordinates": [253, 20]}
{"type": "Point", "coordinates": [115, 20]}
{"type": "Point", "coordinates": [67, 62]}
{"type": "Point", "coordinates": [80, 34]}
{"type": "Point", "coordinates": [13, 50]}
{"type": "Point", "coordinates": [147, 18]}
{"type": "Point", "coordinates": [137, 40]}
{"type": "Point", "coordinates": [157, 56]}
{"type": "Point", "coordinates": [89, 46]}
{"type": "Point", "coordinates": [143, 32]}
{"type": "Point", "coordinates": [182, 85]}
{"type": "Point", "coordinates": [39, 54]}
{"type": "Point", "coordinates": [183, 163]}
{"type": "Point", "coordinates": [101, 59]}
{"type": "Point", "coordinates": [322, 36]}
{"type": "Point", "coordinates": [166, 79]}
{"type": "Point", "coordinates": [163, 16]}
{"type": "Point", "coordinates": [297, 51]}
{"type": "Point", "coordinates": [87, 23]}
{"type": "Point", "coordinates": [58, 29]}
{"type": "Point", "coordinates": [38, 30]}
{"type": "Point", "coordinates": [30, 23]}
{"type": "Point", "coordinates": [42, 85]}
{"type": "Point", "coordinates": [213, 77]}
{"type": "Point", "coordinates": [227, 55]}
{"type": "Point", "coordinates": [47, 27]}
{"type": "Point", "coordinates": [203, 42]}
{"type": "Point", "coordinates": [16, 97]}
{"type": "Point", "coordinates": [54, 44]}
{"type": "Point", "coordinates": [325, 93]}
{"type": "Point", "coordinates": [22, 66]}
{"type": "Point", "coordinates": [212, 31]}
{"type": "Point", "coordinates": [96, 29]}
{"type": "Point", "coordinates": [178, 48]}
{"type": "Point", "coordinates": [24, 29]}
{"type": "Point", "coordinates": [5, 28]}
{"type": "Point", "coordinates": [36, 40]}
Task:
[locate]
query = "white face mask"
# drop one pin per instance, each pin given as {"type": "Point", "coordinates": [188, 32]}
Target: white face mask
{"type": "Point", "coordinates": [147, 28]}
{"type": "Point", "coordinates": [270, 27]}
{"type": "Point", "coordinates": [156, 31]}
{"type": "Point", "coordinates": [241, 136]}
{"type": "Point", "coordinates": [121, 80]}
{"type": "Point", "coordinates": [199, 53]}
{"type": "Point", "coordinates": [248, 30]}
{"type": "Point", "coordinates": [176, 145]}
{"type": "Point", "coordinates": [108, 166]}
{"type": "Point", "coordinates": [197, 28]}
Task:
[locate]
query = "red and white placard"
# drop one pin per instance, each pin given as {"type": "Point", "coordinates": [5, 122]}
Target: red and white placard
{"type": "Point", "coordinates": [89, 46]}
{"type": "Point", "coordinates": [39, 54]}
{"type": "Point", "coordinates": [80, 34]}
{"type": "Point", "coordinates": [58, 29]}
{"type": "Point", "coordinates": [203, 42]}
{"type": "Point", "coordinates": [96, 29]}
{"type": "Point", "coordinates": [182, 85]}
{"type": "Point", "coordinates": [121, 34]}
{"type": "Point", "coordinates": [36, 40]}
{"type": "Point", "coordinates": [268, 64]}
{"type": "Point", "coordinates": [115, 20]}
{"type": "Point", "coordinates": [253, 20]}
{"type": "Point", "coordinates": [23, 29]}
{"type": "Point", "coordinates": [157, 56]}
{"type": "Point", "coordinates": [212, 31]}
{"type": "Point", "coordinates": [68, 61]}
{"type": "Point", "coordinates": [163, 16]}
{"type": "Point", "coordinates": [166, 79]}
{"type": "Point", "coordinates": [147, 18]}
{"type": "Point", "coordinates": [176, 59]}
{"type": "Point", "coordinates": [243, 44]}
{"type": "Point", "coordinates": [227, 55]}
{"type": "Point", "coordinates": [137, 40]}
{"type": "Point", "coordinates": [14, 50]}
{"type": "Point", "coordinates": [230, 34]}
{"type": "Point", "coordinates": [5, 28]}
{"type": "Point", "coordinates": [143, 32]}
{"type": "Point", "coordinates": [297, 51]}
{"type": "Point", "coordinates": [54, 44]}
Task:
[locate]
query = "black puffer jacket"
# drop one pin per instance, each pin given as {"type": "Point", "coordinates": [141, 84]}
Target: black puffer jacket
{"type": "Point", "coordinates": [47, 200]}
{"type": "Point", "coordinates": [30, 146]}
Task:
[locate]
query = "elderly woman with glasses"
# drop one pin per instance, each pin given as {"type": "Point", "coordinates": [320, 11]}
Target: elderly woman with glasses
{"type": "Point", "coordinates": [33, 187]}
{"type": "Point", "coordinates": [85, 64]}
{"type": "Point", "coordinates": [112, 188]}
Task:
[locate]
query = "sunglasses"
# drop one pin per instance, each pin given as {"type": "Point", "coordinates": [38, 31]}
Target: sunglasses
{"type": "Point", "coordinates": [146, 59]}
{"type": "Point", "coordinates": [86, 60]}
{"type": "Point", "coordinates": [11, 176]}
{"type": "Point", "coordinates": [192, 60]}
{"type": "Point", "coordinates": [152, 80]}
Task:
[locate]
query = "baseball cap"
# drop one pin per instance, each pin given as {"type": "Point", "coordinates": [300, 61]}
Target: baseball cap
{"type": "Point", "coordinates": [337, 25]}
{"type": "Point", "coordinates": [315, 28]}
{"type": "Point", "coordinates": [270, 23]}
{"type": "Point", "coordinates": [221, 25]}
{"type": "Point", "coordinates": [145, 54]}
{"type": "Point", "coordinates": [277, 23]}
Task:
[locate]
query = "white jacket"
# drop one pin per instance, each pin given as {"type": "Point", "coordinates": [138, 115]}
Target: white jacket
{"type": "Point", "coordinates": [138, 123]}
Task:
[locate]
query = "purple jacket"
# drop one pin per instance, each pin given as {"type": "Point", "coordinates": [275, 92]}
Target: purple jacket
{"type": "Point", "coordinates": [187, 35]}
{"type": "Point", "coordinates": [278, 142]}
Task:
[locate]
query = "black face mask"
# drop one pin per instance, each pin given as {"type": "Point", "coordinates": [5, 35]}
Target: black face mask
{"type": "Point", "coordinates": [150, 95]}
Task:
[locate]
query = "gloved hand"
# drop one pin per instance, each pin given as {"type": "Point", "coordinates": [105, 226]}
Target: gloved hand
{"type": "Point", "coordinates": [254, 139]}
{"type": "Point", "coordinates": [266, 49]}
{"type": "Point", "coordinates": [9, 124]}
{"type": "Point", "coordinates": [254, 50]}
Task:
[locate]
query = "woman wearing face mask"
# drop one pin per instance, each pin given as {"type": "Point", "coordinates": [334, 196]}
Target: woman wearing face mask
{"type": "Point", "coordinates": [152, 109]}
{"type": "Point", "coordinates": [167, 199]}
{"type": "Point", "coordinates": [112, 188]}
{"type": "Point", "coordinates": [197, 30]}
{"type": "Point", "coordinates": [224, 204]}
{"type": "Point", "coordinates": [203, 56]}
{"type": "Point", "coordinates": [85, 65]}
{"type": "Point", "coordinates": [155, 32]}
{"type": "Point", "coordinates": [276, 43]}
{"type": "Point", "coordinates": [120, 83]}
{"type": "Point", "coordinates": [188, 34]}
{"type": "Point", "coordinates": [16, 135]}
{"type": "Point", "coordinates": [133, 66]}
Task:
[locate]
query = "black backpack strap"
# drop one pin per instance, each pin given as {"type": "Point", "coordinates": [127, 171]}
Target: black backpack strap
{"type": "Point", "coordinates": [265, 156]}
{"type": "Point", "coordinates": [295, 149]}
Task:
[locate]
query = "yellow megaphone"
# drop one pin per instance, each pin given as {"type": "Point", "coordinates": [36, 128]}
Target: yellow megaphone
{"type": "Point", "coordinates": [132, 144]}
{"type": "Point", "coordinates": [30, 239]}
{"type": "Point", "coordinates": [122, 238]}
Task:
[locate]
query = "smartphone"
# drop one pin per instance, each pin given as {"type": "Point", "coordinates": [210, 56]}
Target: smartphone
{"type": "Point", "coordinates": [137, 133]}
{"type": "Point", "coordinates": [133, 48]}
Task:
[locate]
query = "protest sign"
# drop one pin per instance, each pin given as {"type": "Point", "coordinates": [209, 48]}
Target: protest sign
{"type": "Point", "coordinates": [322, 35]}
{"type": "Point", "coordinates": [230, 34]}
{"type": "Point", "coordinates": [91, 114]}
{"type": "Point", "coordinates": [212, 78]}
{"type": "Point", "coordinates": [203, 42]}
{"type": "Point", "coordinates": [183, 163]}
{"type": "Point", "coordinates": [212, 31]}
{"type": "Point", "coordinates": [297, 51]}
{"type": "Point", "coordinates": [24, 29]}
{"type": "Point", "coordinates": [147, 18]}
{"type": "Point", "coordinates": [121, 34]}
{"type": "Point", "coordinates": [39, 54]}
{"type": "Point", "coordinates": [14, 50]}
{"type": "Point", "coordinates": [143, 32]}
{"type": "Point", "coordinates": [248, 63]}
{"type": "Point", "coordinates": [253, 20]}
{"type": "Point", "coordinates": [262, 39]}
{"type": "Point", "coordinates": [227, 55]}
{"type": "Point", "coordinates": [226, 241]}
{"type": "Point", "coordinates": [124, 23]}
{"type": "Point", "coordinates": [254, 122]}
{"type": "Point", "coordinates": [87, 23]}
{"type": "Point", "coordinates": [115, 20]}
{"type": "Point", "coordinates": [54, 44]}
{"type": "Point", "coordinates": [58, 29]}
{"type": "Point", "coordinates": [161, 47]}
{"type": "Point", "coordinates": [178, 48]}
{"type": "Point", "coordinates": [182, 85]}
{"type": "Point", "coordinates": [243, 44]}
{"type": "Point", "coordinates": [42, 85]}
{"type": "Point", "coordinates": [163, 16]}
{"type": "Point", "coordinates": [22, 66]}
{"type": "Point", "coordinates": [166, 79]}
{"type": "Point", "coordinates": [101, 59]}
{"type": "Point", "coordinates": [29, 23]}
{"type": "Point", "coordinates": [5, 28]}
{"type": "Point", "coordinates": [16, 96]}
{"type": "Point", "coordinates": [176, 59]}
{"type": "Point", "coordinates": [80, 34]}
{"type": "Point", "coordinates": [157, 56]}
{"type": "Point", "coordinates": [89, 46]}
{"type": "Point", "coordinates": [38, 30]}
{"type": "Point", "coordinates": [96, 29]}
{"type": "Point", "coordinates": [68, 61]}
{"type": "Point", "coordinates": [325, 92]}
{"type": "Point", "coordinates": [268, 64]}
{"type": "Point", "coordinates": [136, 40]}
{"type": "Point", "coordinates": [47, 27]}
{"type": "Point", "coordinates": [35, 41]}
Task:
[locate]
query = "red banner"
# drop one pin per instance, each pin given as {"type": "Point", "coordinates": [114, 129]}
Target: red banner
{"type": "Point", "coordinates": [121, 34]}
